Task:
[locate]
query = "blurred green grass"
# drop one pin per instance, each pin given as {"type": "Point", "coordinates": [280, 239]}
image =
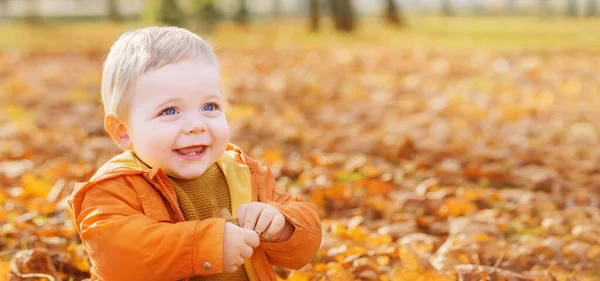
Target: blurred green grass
{"type": "Point", "coordinates": [455, 33]}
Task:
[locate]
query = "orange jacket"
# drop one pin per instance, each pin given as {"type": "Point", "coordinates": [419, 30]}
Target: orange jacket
{"type": "Point", "coordinates": [133, 229]}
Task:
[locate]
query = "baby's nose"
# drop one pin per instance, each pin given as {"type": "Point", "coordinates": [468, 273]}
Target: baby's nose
{"type": "Point", "coordinates": [194, 127]}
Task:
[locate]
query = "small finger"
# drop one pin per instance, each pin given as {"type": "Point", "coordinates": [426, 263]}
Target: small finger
{"type": "Point", "coordinates": [251, 238]}
{"type": "Point", "coordinates": [240, 261]}
{"type": "Point", "coordinates": [231, 269]}
{"type": "Point", "coordinates": [275, 228]}
{"type": "Point", "coordinates": [246, 252]}
{"type": "Point", "coordinates": [252, 214]}
{"type": "Point", "coordinates": [266, 216]}
{"type": "Point", "coordinates": [241, 214]}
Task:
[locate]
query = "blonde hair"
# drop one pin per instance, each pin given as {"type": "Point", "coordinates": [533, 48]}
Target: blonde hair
{"type": "Point", "coordinates": [143, 50]}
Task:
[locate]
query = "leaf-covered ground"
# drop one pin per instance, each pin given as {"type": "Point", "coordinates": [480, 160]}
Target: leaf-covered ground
{"type": "Point", "coordinates": [425, 165]}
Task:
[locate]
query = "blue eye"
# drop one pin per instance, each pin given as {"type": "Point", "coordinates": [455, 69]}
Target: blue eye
{"type": "Point", "coordinates": [169, 111]}
{"type": "Point", "coordinates": [209, 107]}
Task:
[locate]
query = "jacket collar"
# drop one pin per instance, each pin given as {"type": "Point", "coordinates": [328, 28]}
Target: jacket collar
{"type": "Point", "coordinates": [128, 163]}
{"type": "Point", "coordinates": [232, 163]}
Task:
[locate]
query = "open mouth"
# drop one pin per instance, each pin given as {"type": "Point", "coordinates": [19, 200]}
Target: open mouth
{"type": "Point", "coordinates": [191, 152]}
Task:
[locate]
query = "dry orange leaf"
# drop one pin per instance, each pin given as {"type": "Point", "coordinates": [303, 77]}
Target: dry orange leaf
{"type": "Point", "coordinates": [4, 270]}
{"type": "Point", "coordinates": [510, 140]}
{"type": "Point", "coordinates": [273, 156]}
{"type": "Point", "coordinates": [459, 207]}
{"type": "Point", "coordinates": [35, 186]}
{"type": "Point", "coordinates": [223, 213]}
{"type": "Point", "coordinates": [376, 186]}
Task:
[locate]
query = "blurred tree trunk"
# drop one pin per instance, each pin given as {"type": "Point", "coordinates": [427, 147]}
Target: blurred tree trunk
{"type": "Point", "coordinates": [315, 17]}
{"type": "Point", "coordinates": [33, 11]}
{"type": "Point", "coordinates": [113, 10]}
{"type": "Point", "coordinates": [572, 8]}
{"type": "Point", "coordinates": [479, 8]}
{"type": "Point", "coordinates": [276, 8]}
{"type": "Point", "coordinates": [592, 8]}
{"type": "Point", "coordinates": [544, 7]}
{"type": "Point", "coordinates": [391, 14]}
{"type": "Point", "coordinates": [170, 13]}
{"type": "Point", "coordinates": [511, 7]}
{"type": "Point", "coordinates": [447, 8]}
{"type": "Point", "coordinates": [343, 15]}
{"type": "Point", "coordinates": [4, 6]}
{"type": "Point", "coordinates": [207, 14]}
{"type": "Point", "coordinates": [242, 15]}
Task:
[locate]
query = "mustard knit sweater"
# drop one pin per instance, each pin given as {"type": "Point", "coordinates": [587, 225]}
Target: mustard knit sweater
{"type": "Point", "coordinates": [198, 199]}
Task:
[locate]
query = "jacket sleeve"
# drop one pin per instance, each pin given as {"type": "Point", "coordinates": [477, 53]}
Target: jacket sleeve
{"type": "Point", "coordinates": [125, 244]}
{"type": "Point", "coordinates": [304, 243]}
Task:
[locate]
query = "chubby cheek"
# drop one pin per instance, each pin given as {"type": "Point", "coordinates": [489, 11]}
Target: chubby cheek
{"type": "Point", "coordinates": [153, 145]}
{"type": "Point", "coordinates": [221, 134]}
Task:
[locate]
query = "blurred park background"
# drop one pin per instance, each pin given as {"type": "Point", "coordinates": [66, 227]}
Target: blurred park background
{"type": "Point", "coordinates": [441, 140]}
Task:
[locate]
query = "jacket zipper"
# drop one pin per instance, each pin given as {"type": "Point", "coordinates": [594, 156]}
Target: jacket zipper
{"type": "Point", "coordinates": [253, 271]}
{"type": "Point", "coordinates": [253, 199]}
{"type": "Point", "coordinates": [164, 188]}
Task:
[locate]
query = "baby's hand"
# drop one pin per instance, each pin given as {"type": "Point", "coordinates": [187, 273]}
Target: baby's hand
{"type": "Point", "coordinates": [238, 245]}
{"type": "Point", "coordinates": [266, 220]}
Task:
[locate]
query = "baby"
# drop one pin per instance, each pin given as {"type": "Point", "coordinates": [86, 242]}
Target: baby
{"type": "Point", "coordinates": [153, 211]}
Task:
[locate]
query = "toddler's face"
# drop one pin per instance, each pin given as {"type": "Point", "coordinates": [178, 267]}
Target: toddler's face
{"type": "Point", "coordinates": [176, 118]}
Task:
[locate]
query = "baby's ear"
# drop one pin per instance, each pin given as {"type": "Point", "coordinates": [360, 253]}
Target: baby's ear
{"type": "Point", "coordinates": [117, 131]}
